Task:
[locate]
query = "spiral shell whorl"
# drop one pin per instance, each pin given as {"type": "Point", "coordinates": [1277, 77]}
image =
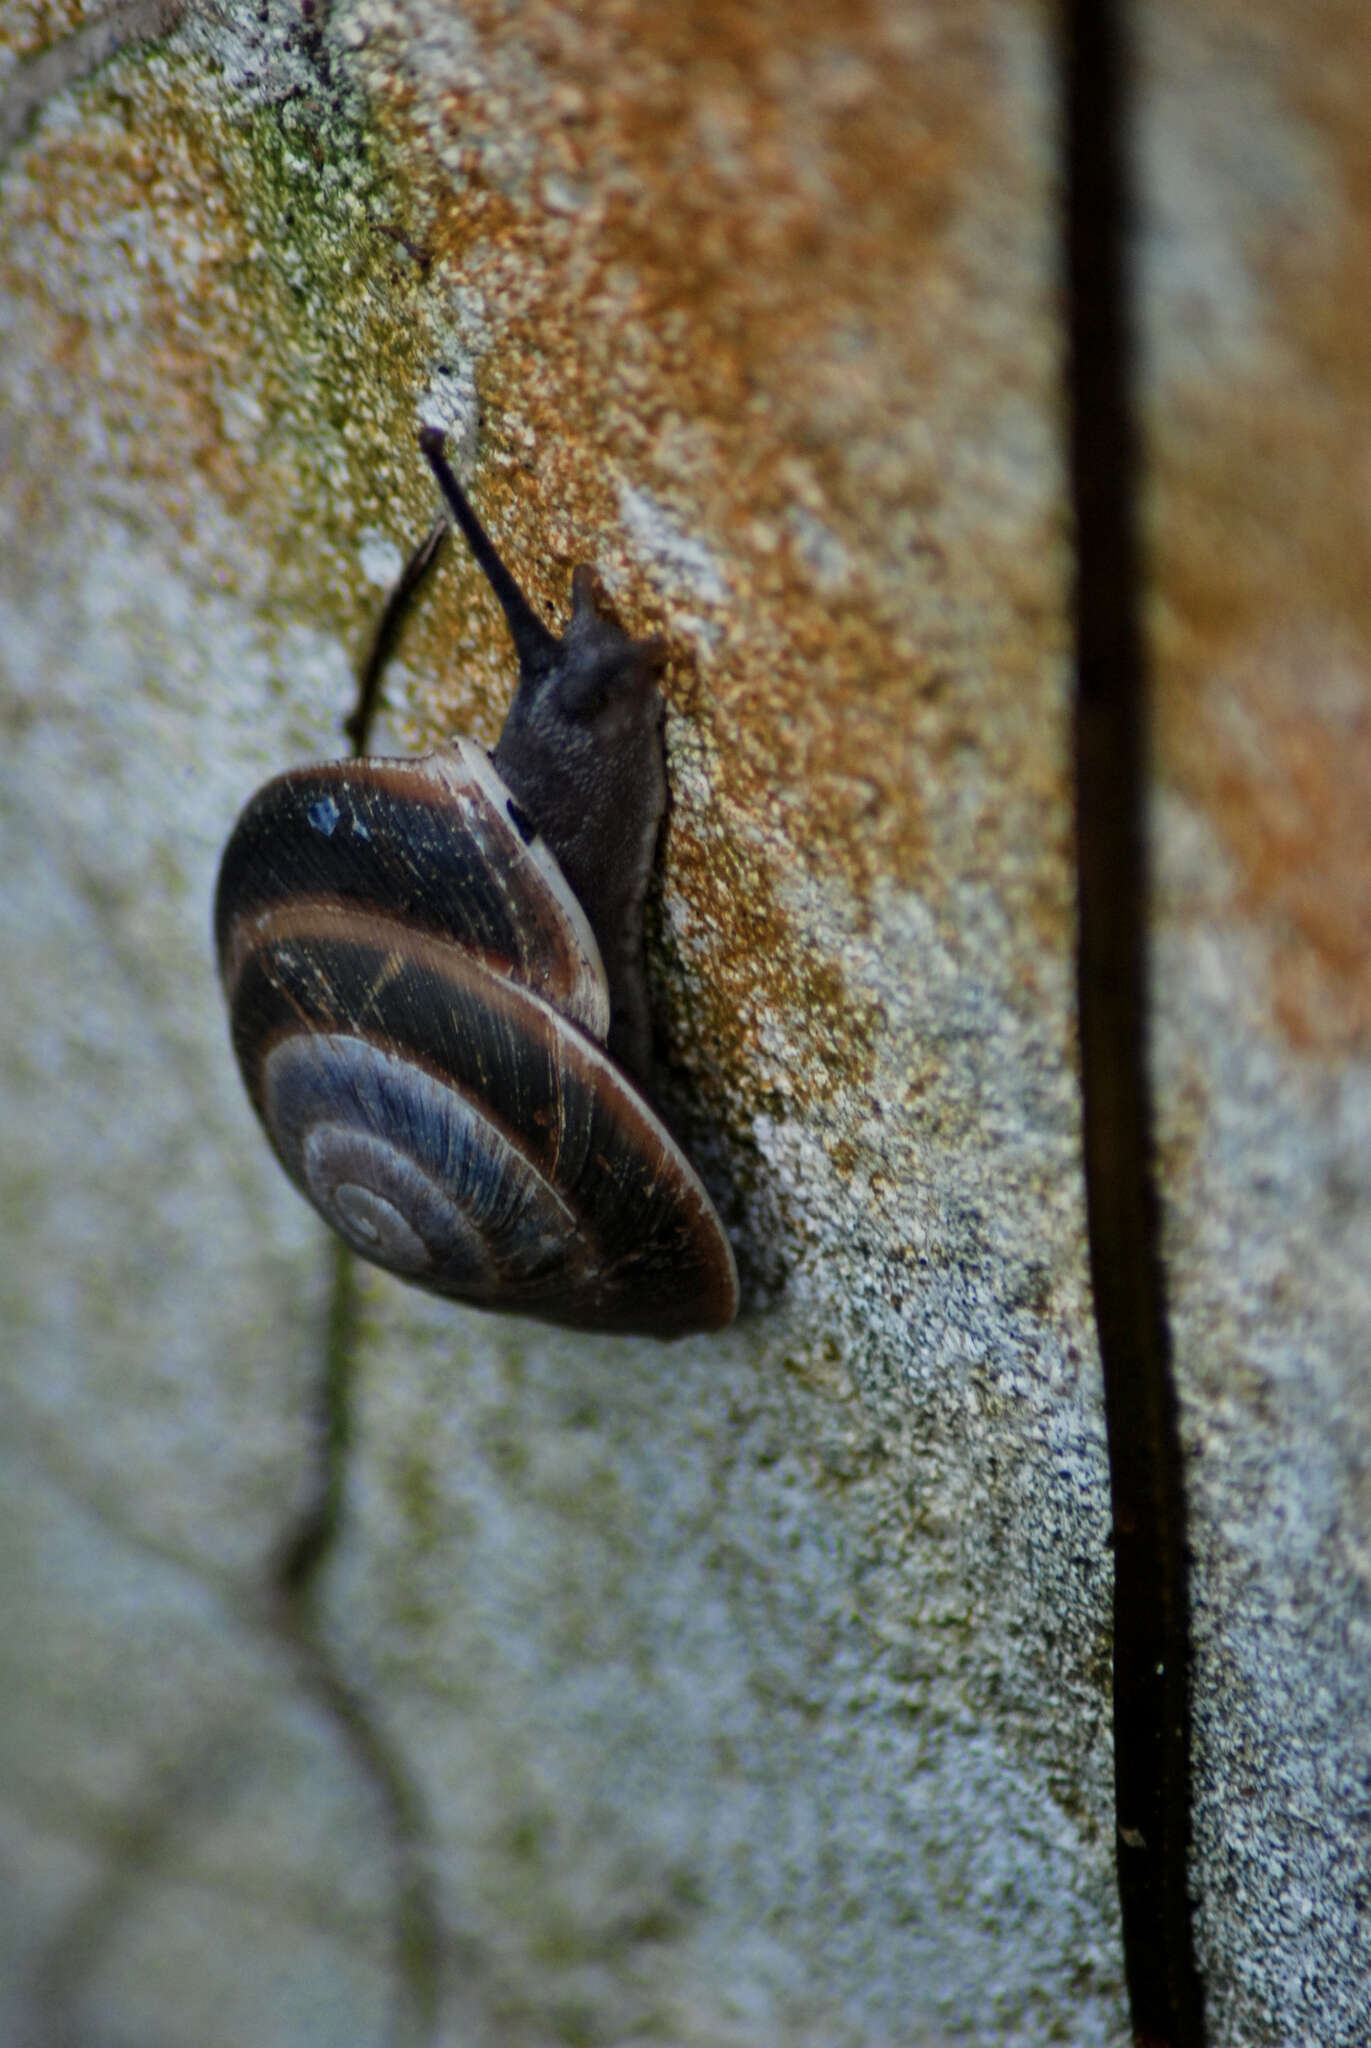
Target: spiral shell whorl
{"type": "Point", "coordinates": [447, 1119]}
{"type": "Point", "coordinates": [411, 1172]}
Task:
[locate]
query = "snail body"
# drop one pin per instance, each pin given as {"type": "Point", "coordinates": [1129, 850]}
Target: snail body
{"type": "Point", "coordinates": [434, 976]}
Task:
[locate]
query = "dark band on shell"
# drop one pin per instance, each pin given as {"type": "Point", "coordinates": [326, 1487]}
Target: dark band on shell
{"type": "Point", "coordinates": [439, 843]}
{"type": "Point", "coordinates": [461, 1085]}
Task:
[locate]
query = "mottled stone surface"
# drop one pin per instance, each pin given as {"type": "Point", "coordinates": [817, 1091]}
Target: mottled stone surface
{"type": "Point", "coordinates": [747, 1690]}
{"type": "Point", "coordinates": [1257, 260]}
{"type": "Point", "coordinates": [755, 1689]}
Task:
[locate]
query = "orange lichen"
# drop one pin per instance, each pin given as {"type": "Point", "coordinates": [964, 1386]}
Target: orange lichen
{"type": "Point", "coordinates": [738, 283]}
{"type": "Point", "coordinates": [1262, 536]}
{"type": "Point", "coordinates": [731, 267]}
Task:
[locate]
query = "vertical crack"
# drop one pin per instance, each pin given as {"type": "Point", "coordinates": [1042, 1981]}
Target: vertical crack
{"type": "Point", "coordinates": [1151, 1618]}
{"type": "Point", "coordinates": [294, 1581]}
{"type": "Point", "coordinates": [417, 1948]}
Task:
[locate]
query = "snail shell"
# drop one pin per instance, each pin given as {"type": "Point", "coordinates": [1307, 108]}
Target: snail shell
{"type": "Point", "coordinates": [421, 1008]}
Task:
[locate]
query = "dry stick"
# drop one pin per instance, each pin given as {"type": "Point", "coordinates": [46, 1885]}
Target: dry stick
{"type": "Point", "coordinates": [358, 725]}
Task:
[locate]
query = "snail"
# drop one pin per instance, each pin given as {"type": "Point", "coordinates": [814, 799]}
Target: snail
{"type": "Point", "coordinates": [434, 975]}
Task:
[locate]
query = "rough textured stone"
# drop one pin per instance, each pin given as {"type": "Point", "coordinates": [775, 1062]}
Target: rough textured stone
{"type": "Point", "coordinates": [757, 1689]}
{"type": "Point", "coordinates": [751, 1689]}
{"type": "Point", "coordinates": [1257, 256]}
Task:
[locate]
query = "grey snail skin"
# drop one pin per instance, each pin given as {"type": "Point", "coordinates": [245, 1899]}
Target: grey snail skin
{"type": "Point", "coordinates": [434, 975]}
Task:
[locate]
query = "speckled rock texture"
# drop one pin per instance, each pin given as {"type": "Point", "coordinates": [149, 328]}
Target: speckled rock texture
{"type": "Point", "coordinates": [749, 1690]}
{"type": "Point", "coordinates": [1256, 253]}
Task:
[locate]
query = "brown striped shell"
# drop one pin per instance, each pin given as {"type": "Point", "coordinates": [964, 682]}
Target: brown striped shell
{"type": "Point", "coordinates": [419, 1009]}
